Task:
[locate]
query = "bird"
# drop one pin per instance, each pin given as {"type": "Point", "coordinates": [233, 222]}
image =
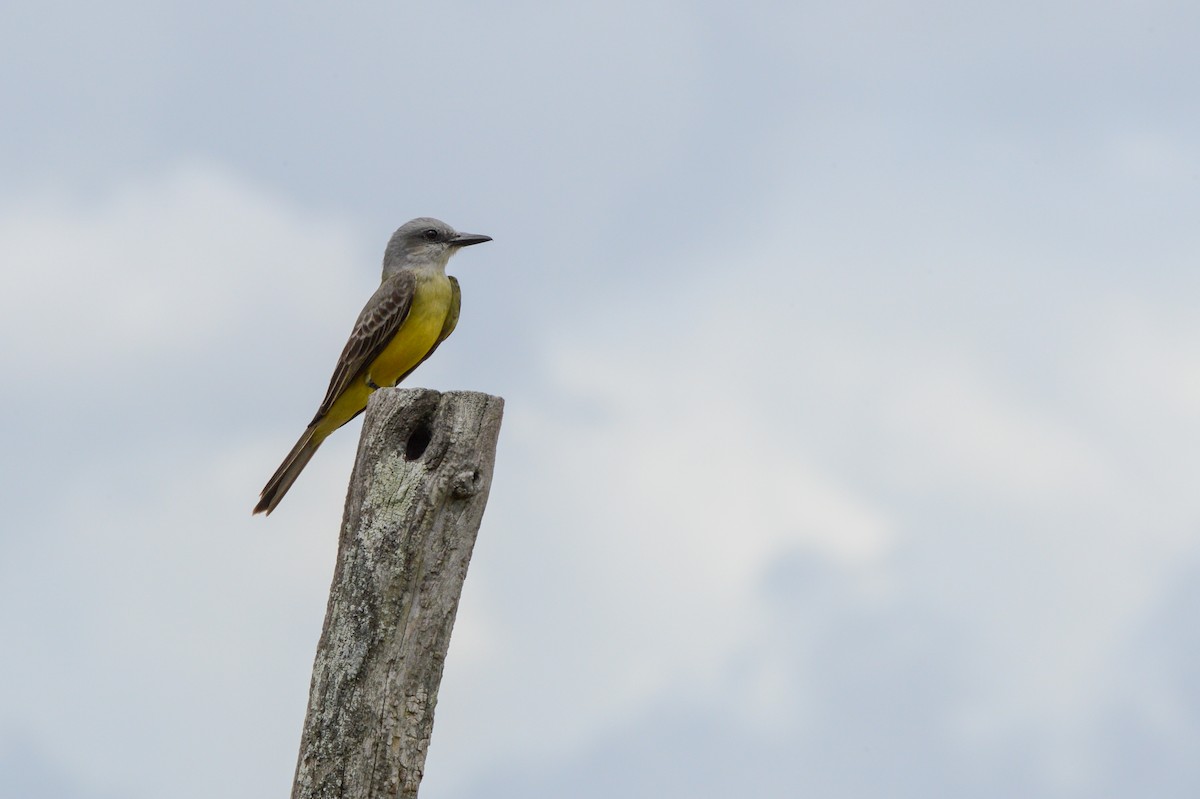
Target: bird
{"type": "Point", "coordinates": [414, 309]}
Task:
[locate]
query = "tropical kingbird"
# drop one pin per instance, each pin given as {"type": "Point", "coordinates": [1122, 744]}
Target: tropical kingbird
{"type": "Point", "coordinates": [413, 311]}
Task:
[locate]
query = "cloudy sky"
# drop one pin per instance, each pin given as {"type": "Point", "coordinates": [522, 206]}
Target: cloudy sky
{"type": "Point", "coordinates": [851, 357]}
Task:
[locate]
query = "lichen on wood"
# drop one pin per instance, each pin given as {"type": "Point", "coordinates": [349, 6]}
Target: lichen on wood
{"type": "Point", "coordinates": [416, 499]}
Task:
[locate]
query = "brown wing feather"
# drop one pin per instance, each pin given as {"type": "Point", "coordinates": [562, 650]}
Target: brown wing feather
{"type": "Point", "coordinates": [381, 317]}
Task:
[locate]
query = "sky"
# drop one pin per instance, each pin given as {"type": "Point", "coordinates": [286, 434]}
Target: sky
{"type": "Point", "coordinates": [851, 365]}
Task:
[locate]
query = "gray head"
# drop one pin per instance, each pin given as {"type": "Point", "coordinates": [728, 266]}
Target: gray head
{"type": "Point", "coordinates": [425, 243]}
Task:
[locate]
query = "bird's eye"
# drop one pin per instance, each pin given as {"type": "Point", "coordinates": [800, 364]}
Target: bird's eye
{"type": "Point", "coordinates": [430, 235]}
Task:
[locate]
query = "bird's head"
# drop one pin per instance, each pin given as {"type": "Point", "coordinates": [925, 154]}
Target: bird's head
{"type": "Point", "coordinates": [425, 243]}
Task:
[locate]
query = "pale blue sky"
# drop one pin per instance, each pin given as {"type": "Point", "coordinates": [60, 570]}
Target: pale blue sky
{"type": "Point", "coordinates": [851, 360]}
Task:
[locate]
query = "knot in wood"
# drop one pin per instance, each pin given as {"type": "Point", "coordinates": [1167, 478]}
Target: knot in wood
{"type": "Point", "coordinates": [466, 483]}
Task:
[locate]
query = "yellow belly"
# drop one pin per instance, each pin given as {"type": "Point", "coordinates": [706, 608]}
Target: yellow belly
{"type": "Point", "coordinates": [412, 342]}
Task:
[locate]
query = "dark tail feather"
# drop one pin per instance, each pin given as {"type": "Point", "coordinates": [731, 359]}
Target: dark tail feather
{"type": "Point", "coordinates": [288, 471]}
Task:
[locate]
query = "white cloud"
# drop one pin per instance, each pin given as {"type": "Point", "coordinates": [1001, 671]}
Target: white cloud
{"type": "Point", "coordinates": [175, 263]}
{"type": "Point", "coordinates": [166, 615]}
{"type": "Point", "coordinates": [712, 432]}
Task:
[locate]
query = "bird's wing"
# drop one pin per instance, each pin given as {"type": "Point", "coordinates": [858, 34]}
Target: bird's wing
{"type": "Point", "coordinates": [381, 317]}
{"type": "Point", "coordinates": [447, 326]}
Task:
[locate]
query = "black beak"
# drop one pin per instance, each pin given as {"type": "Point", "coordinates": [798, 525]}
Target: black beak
{"type": "Point", "coordinates": [467, 239]}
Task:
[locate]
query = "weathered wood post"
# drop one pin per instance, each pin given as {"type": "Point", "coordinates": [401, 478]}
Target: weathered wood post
{"type": "Point", "coordinates": [416, 499]}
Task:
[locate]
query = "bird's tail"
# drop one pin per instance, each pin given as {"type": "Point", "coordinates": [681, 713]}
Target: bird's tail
{"type": "Point", "coordinates": [289, 470]}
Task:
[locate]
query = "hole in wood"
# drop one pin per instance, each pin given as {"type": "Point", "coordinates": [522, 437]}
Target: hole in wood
{"type": "Point", "coordinates": [418, 440]}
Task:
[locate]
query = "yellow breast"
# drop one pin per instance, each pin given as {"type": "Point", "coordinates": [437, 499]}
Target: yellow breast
{"type": "Point", "coordinates": [419, 333]}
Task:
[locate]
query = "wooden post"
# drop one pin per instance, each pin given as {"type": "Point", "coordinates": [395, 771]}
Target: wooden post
{"type": "Point", "coordinates": [416, 499]}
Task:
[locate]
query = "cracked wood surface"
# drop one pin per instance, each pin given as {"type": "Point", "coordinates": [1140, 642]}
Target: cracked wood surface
{"type": "Point", "coordinates": [416, 499]}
